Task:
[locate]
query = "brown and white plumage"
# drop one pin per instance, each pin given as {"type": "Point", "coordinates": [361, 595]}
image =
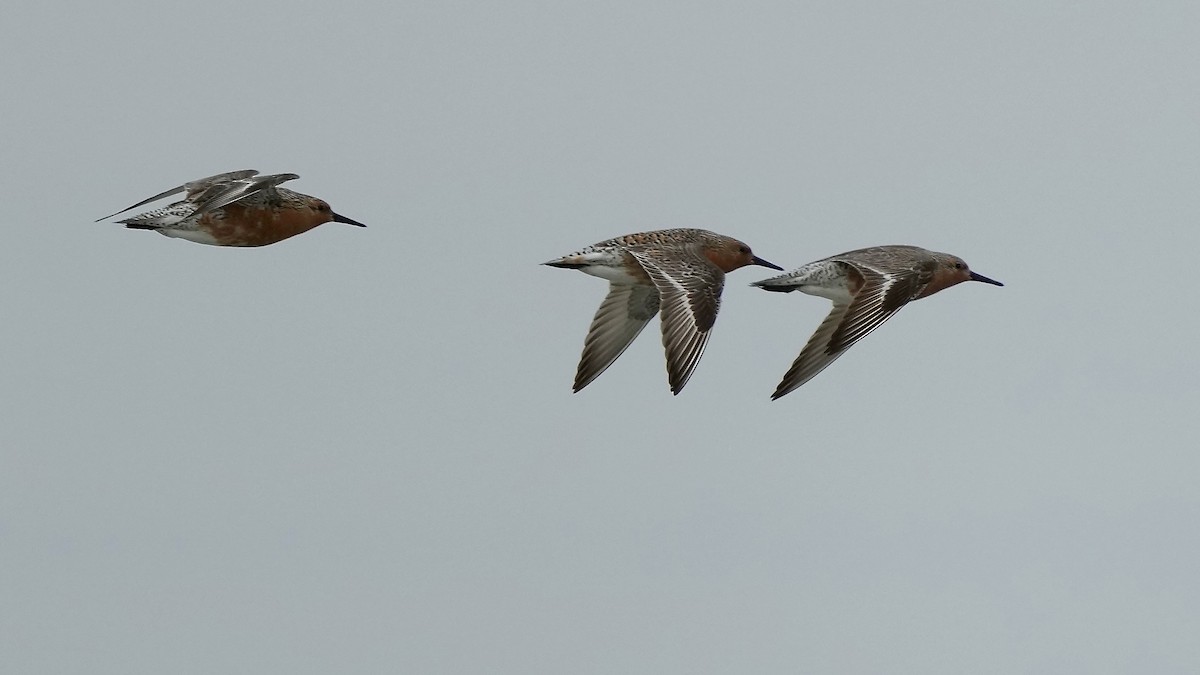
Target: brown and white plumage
{"type": "Point", "coordinates": [677, 273]}
{"type": "Point", "coordinates": [238, 208]}
{"type": "Point", "coordinates": [867, 287]}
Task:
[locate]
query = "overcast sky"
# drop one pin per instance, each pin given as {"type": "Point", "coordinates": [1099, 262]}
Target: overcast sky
{"type": "Point", "coordinates": [358, 451]}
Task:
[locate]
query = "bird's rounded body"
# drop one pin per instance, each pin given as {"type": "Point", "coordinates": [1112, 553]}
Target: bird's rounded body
{"type": "Point", "coordinates": [236, 209]}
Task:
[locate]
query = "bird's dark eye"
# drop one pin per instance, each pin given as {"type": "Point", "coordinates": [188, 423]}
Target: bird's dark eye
{"type": "Point", "coordinates": [743, 249]}
{"type": "Point", "coordinates": [959, 266]}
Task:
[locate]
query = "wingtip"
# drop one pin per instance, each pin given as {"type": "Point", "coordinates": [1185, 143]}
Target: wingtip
{"type": "Point", "coordinates": [785, 387]}
{"type": "Point", "coordinates": [582, 380]}
{"type": "Point", "coordinates": [678, 383]}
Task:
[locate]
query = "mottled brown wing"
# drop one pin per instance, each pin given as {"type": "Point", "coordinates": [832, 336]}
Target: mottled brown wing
{"type": "Point", "coordinates": [879, 297]}
{"type": "Point", "coordinates": [689, 289]}
{"type": "Point", "coordinates": [624, 313]}
{"type": "Point", "coordinates": [222, 194]}
{"type": "Point", "coordinates": [196, 187]}
{"type": "Point", "coordinates": [193, 188]}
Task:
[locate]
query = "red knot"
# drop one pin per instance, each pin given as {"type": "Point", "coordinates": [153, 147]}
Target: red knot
{"type": "Point", "coordinates": [867, 287]}
{"type": "Point", "coordinates": [239, 208]}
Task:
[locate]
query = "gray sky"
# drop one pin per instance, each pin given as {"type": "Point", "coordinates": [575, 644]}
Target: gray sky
{"type": "Point", "coordinates": [357, 450]}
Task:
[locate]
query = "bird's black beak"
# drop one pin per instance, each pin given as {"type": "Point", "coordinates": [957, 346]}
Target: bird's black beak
{"type": "Point", "coordinates": [344, 219]}
{"type": "Point", "coordinates": [759, 261]}
{"type": "Point", "coordinates": [980, 277]}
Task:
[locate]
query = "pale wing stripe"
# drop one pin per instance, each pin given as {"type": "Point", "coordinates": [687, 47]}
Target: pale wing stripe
{"type": "Point", "coordinates": [683, 342]}
{"type": "Point", "coordinates": [190, 186]}
{"type": "Point", "coordinates": [866, 311]}
{"type": "Point", "coordinates": [223, 195]}
{"type": "Point", "coordinates": [846, 325]}
{"type": "Point", "coordinates": [849, 339]}
{"type": "Point", "coordinates": [197, 186]}
{"type": "Point", "coordinates": [695, 348]}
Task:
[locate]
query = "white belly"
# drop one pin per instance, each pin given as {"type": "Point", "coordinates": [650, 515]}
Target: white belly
{"type": "Point", "coordinates": [837, 293]}
{"type": "Point", "coordinates": [617, 275]}
{"type": "Point", "coordinates": [198, 236]}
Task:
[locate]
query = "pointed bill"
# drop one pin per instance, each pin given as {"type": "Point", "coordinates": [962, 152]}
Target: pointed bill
{"type": "Point", "coordinates": [979, 277]}
{"type": "Point", "coordinates": [763, 263]}
{"type": "Point", "coordinates": [339, 218]}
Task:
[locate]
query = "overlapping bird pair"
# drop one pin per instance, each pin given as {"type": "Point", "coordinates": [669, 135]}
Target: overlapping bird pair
{"type": "Point", "coordinates": [681, 273]}
{"type": "Point", "coordinates": [677, 273]}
